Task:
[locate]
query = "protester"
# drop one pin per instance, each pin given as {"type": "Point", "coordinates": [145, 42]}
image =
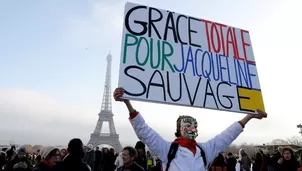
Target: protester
{"type": "Point", "coordinates": [141, 158]}
{"type": "Point", "coordinates": [20, 162]}
{"type": "Point", "coordinates": [98, 159]}
{"type": "Point", "coordinates": [90, 156]}
{"type": "Point", "coordinates": [74, 160]}
{"type": "Point", "coordinates": [244, 160]}
{"type": "Point", "coordinates": [50, 156]}
{"type": "Point", "coordinates": [119, 160]}
{"type": "Point", "coordinates": [288, 161]}
{"type": "Point", "coordinates": [186, 132]}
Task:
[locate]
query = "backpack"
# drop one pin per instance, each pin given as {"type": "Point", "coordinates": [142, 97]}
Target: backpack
{"type": "Point", "coordinates": [173, 150]}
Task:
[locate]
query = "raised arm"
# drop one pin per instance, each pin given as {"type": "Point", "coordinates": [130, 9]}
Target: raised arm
{"type": "Point", "coordinates": [218, 144]}
{"type": "Point", "coordinates": [147, 135]}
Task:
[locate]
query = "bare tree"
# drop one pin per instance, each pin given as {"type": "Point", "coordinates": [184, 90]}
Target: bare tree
{"type": "Point", "coordinates": [279, 142]}
{"type": "Point", "coordinates": [295, 140]}
{"type": "Point", "coordinates": [248, 148]}
{"type": "Point", "coordinates": [233, 149]}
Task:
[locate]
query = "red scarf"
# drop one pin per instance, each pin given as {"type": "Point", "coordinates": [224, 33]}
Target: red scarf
{"type": "Point", "coordinates": [188, 143]}
{"type": "Point", "coordinates": [47, 163]}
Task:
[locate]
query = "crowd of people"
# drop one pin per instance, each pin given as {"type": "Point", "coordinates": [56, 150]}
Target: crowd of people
{"type": "Point", "coordinates": [78, 157]}
{"type": "Point", "coordinates": [283, 159]}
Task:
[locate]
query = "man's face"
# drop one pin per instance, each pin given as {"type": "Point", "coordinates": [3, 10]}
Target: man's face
{"type": "Point", "coordinates": [126, 157]}
{"type": "Point", "coordinates": [21, 155]}
{"type": "Point", "coordinates": [188, 127]}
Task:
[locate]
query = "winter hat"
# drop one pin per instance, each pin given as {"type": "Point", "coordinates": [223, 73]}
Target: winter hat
{"type": "Point", "coordinates": [45, 151]}
{"type": "Point", "coordinates": [90, 146]}
{"type": "Point", "coordinates": [140, 145]}
{"type": "Point", "coordinates": [22, 150]}
{"type": "Point", "coordinates": [2, 153]}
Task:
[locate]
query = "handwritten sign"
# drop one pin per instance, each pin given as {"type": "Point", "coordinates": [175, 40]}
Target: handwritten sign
{"type": "Point", "coordinates": [177, 59]}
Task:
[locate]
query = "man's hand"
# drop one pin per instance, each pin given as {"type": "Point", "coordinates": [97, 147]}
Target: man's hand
{"type": "Point", "coordinates": [118, 93]}
{"type": "Point", "coordinates": [260, 114]}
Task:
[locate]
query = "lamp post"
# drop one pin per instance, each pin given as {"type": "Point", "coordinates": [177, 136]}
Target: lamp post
{"type": "Point", "coordinates": [300, 127]}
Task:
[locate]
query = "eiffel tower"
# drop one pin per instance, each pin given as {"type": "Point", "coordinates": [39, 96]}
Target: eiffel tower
{"type": "Point", "coordinates": [106, 115]}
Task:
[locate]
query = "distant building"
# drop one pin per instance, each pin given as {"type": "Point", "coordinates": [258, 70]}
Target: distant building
{"type": "Point", "coordinates": [272, 148]}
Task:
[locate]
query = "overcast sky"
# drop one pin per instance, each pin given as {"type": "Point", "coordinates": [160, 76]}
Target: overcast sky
{"type": "Point", "coordinates": [51, 86]}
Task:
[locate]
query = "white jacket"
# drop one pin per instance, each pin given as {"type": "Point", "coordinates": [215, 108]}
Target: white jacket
{"type": "Point", "coordinates": [119, 161]}
{"type": "Point", "coordinates": [184, 159]}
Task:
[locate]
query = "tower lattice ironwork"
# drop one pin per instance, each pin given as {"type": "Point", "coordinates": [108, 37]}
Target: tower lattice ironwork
{"type": "Point", "coordinates": [106, 115]}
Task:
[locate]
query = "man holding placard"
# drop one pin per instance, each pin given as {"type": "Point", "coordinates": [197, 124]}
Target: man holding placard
{"type": "Point", "coordinates": [184, 154]}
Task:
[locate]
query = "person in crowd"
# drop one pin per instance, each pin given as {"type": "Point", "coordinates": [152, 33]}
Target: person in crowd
{"type": "Point", "coordinates": [300, 161]}
{"type": "Point", "coordinates": [189, 152]}
{"type": "Point", "coordinates": [265, 159]}
{"type": "Point", "coordinates": [218, 164]}
{"type": "Point", "coordinates": [258, 164]}
{"type": "Point", "coordinates": [112, 159]}
{"type": "Point", "coordinates": [90, 156]}
{"type": "Point", "coordinates": [141, 158]}
{"type": "Point", "coordinates": [149, 161]}
{"type": "Point", "coordinates": [10, 153]}
{"type": "Point", "coordinates": [158, 166]}
{"type": "Point", "coordinates": [74, 160]}
{"type": "Point", "coordinates": [20, 162]}
{"type": "Point", "coordinates": [63, 153]}
{"type": "Point", "coordinates": [129, 156]}
{"type": "Point", "coordinates": [32, 159]}
{"type": "Point", "coordinates": [231, 162]}
{"type": "Point", "coordinates": [3, 161]}
{"type": "Point", "coordinates": [119, 160]}
{"type": "Point", "coordinates": [50, 156]}
{"type": "Point", "coordinates": [98, 159]}
{"type": "Point", "coordinates": [38, 159]}
{"type": "Point", "coordinates": [113, 156]}
{"type": "Point", "coordinates": [244, 160]}
{"type": "Point", "coordinates": [298, 153]}
{"type": "Point", "coordinates": [107, 163]}
{"type": "Point", "coordinates": [275, 157]}
{"type": "Point", "coordinates": [287, 161]}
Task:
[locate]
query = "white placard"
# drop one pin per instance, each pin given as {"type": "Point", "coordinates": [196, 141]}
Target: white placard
{"type": "Point", "coordinates": [177, 59]}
